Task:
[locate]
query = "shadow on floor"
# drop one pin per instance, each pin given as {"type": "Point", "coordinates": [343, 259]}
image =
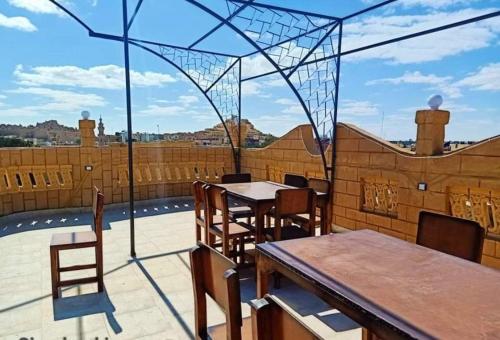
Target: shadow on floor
{"type": "Point", "coordinates": [37, 220]}
{"type": "Point", "coordinates": [300, 300]}
{"type": "Point", "coordinates": [86, 304]}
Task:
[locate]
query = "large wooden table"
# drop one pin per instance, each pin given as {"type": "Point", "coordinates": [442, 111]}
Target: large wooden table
{"type": "Point", "coordinates": [261, 196]}
{"type": "Point", "coordinates": [393, 288]}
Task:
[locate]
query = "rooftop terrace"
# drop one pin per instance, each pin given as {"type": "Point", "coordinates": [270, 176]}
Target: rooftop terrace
{"type": "Point", "coordinates": [147, 297]}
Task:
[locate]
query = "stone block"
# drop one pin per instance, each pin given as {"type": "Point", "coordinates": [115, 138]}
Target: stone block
{"type": "Point", "coordinates": [346, 173]}
{"type": "Point", "coordinates": [435, 201]}
{"type": "Point", "coordinates": [493, 262]}
{"type": "Point", "coordinates": [51, 156]}
{"type": "Point", "coordinates": [339, 211]}
{"type": "Point", "coordinates": [489, 248]}
{"type": "Point", "coordinates": [378, 220]}
{"type": "Point", "coordinates": [347, 201]}
{"type": "Point", "coordinates": [354, 188]}
{"type": "Point", "coordinates": [356, 215]}
{"type": "Point", "coordinates": [443, 164]}
{"type": "Point", "coordinates": [27, 156]}
{"type": "Point", "coordinates": [345, 222]}
{"type": "Point", "coordinates": [41, 200]}
{"type": "Point", "coordinates": [383, 160]}
{"type": "Point", "coordinates": [368, 145]}
{"type": "Point", "coordinates": [348, 145]}
{"type": "Point", "coordinates": [478, 165]}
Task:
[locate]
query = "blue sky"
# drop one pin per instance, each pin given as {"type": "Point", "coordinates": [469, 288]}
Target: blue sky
{"type": "Point", "coordinates": [51, 69]}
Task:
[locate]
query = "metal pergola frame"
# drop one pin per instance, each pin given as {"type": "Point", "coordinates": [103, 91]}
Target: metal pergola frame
{"type": "Point", "coordinates": [320, 37]}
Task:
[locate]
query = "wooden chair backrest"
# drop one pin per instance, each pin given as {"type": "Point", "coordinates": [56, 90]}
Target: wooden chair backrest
{"type": "Point", "coordinates": [199, 197]}
{"type": "Point", "coordinates": [451, 235]}
{"type": "Point", "coordinates": [295, 181]}
{"type": "Point", "coordinates": [236, 178]}
{"type": "Point", "coordinates": [215, 275]}
{"type": "Point", "coordinates": [216, 200]}
{"type": "Point", "coordinates": [271, 321]}
{"type": "Point", "coordinates": [319, 185]}
{"type": "Point", "coordinates": [98, 212]}
{"type": "Point", "coordinates": [291, 202]}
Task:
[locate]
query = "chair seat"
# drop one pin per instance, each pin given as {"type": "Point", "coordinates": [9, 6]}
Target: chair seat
{"type": "Point", "coordinates": [304, 219]}
{"type": "Point", "coordinates": [217, 219]}
{"type": "Point", "coordinates": [289, 232]}
{"type": "Point", "coordinates": [74, 238]}
{"type": "Point", "coordinates": [235, 229]}
{"type": "Point", "coordinates": [240, 212]}
{"type": "Point", "coordinates": [218, 332]}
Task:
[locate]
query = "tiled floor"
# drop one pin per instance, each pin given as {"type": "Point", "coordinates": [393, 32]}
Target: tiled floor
{"type": "Point", "coordinates": [147, 297]}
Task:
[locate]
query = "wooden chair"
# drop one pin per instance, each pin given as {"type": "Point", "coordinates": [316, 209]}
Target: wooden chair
{"type": "Point", "coordinates": [199, 209]}
{"type": "Point", "coordinates": [291, 202]}
{"type": "Point", "coordinates": [451, 235]}
{"type": "Point", "coordinates": [295, 181]}
{"type": "Point", "coordinates": [238, 212]}
{"type": "Point", "coordinates": [215, 275]}
{"type": "Point", "coordinates": [232, 234]}
{"type": "Point", "coordinates": [318, 185]}
{"type": "Point", "coordinates": [291, 180]}
{"type": "Point", "coordinates": [236, 178]}
{"type": "Point", "coordinates": [271, 321]}
{"type": "Point", "coordinates": [77, 240]}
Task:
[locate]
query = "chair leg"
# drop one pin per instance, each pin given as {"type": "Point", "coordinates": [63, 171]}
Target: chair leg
{"type": "Point", "coordinates": [54, 272]}
{"type": "Point", "coordinates": [277, 280]}
{"type": "Point", "coordinates": [198, 233]}
{"type": "Point", "coordinates": [99, 268]}
{"type": "Point", "coordinates": [242, 250]}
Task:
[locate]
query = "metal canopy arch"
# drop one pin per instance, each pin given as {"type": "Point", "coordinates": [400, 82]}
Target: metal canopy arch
{"type": "Point", "coordinates": [278, 34]}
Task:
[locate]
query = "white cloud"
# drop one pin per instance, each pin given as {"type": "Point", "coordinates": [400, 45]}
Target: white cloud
{"type": "Point", "coordinates": [52, 102]}
{"type": "Point", "coordinates": [160, 110]}
{"type": "Point", "coordinates": [431, 47]}
{"type": "Point", "coordinates": [18, 23]}
{"type": "Point", "coordinates": [285, 101]}
{"type": "Point", "coordinates": [251, 88]}
{"type": "Point", "coordinates": [37, 6]}
{"type": "Point", "coordinates": [187, 100]}
{"type": "Point", "coordinates": [252, 66]}
{"type": "Point", "coordinates": [109, 77]}
{"type": "Point", "coordinates": [349, 107]}
{"type": "Point", "coordinates": [487, 78]}
{"type": "Point", "coordinates": [292, 106]}
{"type": "Point", "coordinates": [426, 3]}
{"type": "Point", "coordinates": [436, 83]}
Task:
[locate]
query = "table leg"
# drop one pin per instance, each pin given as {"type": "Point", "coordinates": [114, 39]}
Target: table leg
{"type": "Point", "coordinates": [324, 220]}
{"type": "Point", "coordinates": [262, 275]}
{"type": "Point", "coordinates": [259, 224]}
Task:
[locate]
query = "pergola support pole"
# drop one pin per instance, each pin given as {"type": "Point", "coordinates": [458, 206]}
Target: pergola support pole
{"type": "Point", "coordinates": [129, 127]}
{"type": "Point", "coordinates": [238, 164]}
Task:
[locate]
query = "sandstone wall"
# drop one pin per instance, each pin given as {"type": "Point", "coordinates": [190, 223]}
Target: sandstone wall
{"type": "Point", "coordinates": [366, 166]}
{"type": "Point", "coordinates": [60, 177]}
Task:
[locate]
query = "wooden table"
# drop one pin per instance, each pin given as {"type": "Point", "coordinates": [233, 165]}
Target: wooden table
{"type": "Point", "coordinates": [261, 195]}
{"type": "Point", "coordinates": [391, 287]}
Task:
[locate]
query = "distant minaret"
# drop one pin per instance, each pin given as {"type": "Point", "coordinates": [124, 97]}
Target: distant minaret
{"type": "Point", "coordinates": [101, 137]}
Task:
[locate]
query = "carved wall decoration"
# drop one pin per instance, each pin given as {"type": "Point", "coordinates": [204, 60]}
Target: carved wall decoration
{"type": "Point", "coordinates": [379, 195]}
{"type": "Point", "coordinates": [16, 179]}
{"type": "Point", "coordinates": [162, 173]}
{"type": "Point", "coordinates": [480, 205]}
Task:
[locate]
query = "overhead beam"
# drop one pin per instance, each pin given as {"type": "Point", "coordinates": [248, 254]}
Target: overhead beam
{"type": "Point", "coordinates": [284, 9]}
{"type": "Point", "coordinates": [215, 28]}
{"type": "Point", "coordinates": [136, 10]}
{"type": "Point", "coordinates": [368, 9]}
{"type": "Point", "coordinates": [149, 42]}
{"type": "Point", "coordinates": [390, 41]}
{"type": "Point", "coordinates": [68, 12]}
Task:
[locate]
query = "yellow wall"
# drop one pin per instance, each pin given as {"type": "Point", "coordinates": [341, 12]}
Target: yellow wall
{"type": "Point", "coordinates": [106, 163]}
{"type": "Point", "coordinates": [361, 156]}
